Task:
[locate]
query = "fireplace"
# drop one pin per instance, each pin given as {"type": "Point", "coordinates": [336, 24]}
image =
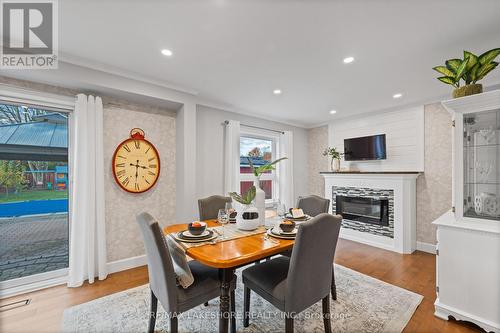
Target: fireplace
{"type": "Point", "coordinates": [363, 209]}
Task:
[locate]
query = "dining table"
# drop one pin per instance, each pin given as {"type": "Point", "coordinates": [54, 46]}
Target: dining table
{"type": "Point", "coordinates": [228, 255]}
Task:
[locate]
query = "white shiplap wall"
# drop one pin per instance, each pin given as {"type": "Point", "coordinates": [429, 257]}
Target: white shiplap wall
{"type": "Point", "coordinates": [404, 131]}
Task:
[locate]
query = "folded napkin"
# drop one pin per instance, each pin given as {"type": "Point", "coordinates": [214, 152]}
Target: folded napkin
{"type": "Point", "coordinates": [183, 274]}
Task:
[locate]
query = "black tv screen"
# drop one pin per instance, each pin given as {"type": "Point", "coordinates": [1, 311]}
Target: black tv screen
{"type": "Point", "coordinates": [365, 148]}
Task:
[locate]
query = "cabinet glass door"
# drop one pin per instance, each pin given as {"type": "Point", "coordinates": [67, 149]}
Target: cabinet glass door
{"type": "Point", "coordinates": [481, 165]}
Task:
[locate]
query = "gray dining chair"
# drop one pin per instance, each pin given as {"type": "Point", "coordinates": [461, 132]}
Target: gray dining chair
{"type": "Point", "coordinates": [313, 205]}
{"type": "Point", "coordinates": [162, 282]}
{"type": "Point", "coordinates": [294, 284]}
{"type": "Point", "coordinates": [209, 207]}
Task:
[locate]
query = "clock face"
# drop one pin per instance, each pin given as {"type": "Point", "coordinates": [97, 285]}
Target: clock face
{"type": "Point", "coordinates": [136, 165]}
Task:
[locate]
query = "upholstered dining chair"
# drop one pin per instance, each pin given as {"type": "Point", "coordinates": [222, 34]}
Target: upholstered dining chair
{"type": "Point", "coordinates": [162, 281]}
{"type": "Point", "coordinates": [209, 207]}
{"type": "Point", "coordinates": [313, 205]}
{"type": "Point", "coordinates": [294, 284]}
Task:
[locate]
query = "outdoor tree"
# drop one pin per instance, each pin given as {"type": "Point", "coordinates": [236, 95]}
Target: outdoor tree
{"type": "Point", "coordinates": [11, 175]}
{"type": "Point", "coordinates": [18, 114]}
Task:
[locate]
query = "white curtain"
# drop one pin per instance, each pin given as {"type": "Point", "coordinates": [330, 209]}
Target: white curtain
{"type": "Point", "coordinates": [287, 195]}
{"type": "Point", "coordinates": [87, 253]}
{"type": "Point", "coordinates": [232, 157]}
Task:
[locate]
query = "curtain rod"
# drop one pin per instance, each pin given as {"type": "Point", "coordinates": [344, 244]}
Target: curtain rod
{"type": "Point", "coordinates": [262, 128]}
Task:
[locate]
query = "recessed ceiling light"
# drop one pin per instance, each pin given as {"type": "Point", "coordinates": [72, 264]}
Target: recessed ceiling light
{"type": "Point", "coordinates": [333, 111]}
{"type": "Point", "coordinates": [277, 91]}
{"type": "Point", "coordinates": [166, 52]}
{"type": "Point", "coordinates": [348, 60]}
{"type": "Point", "coordinates": [398, 95]}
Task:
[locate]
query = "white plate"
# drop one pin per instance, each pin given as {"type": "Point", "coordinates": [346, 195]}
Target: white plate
{"type": "Point", "coordinates": [187, 233]}
{"type": "Point", "coordinates": [270, 233]}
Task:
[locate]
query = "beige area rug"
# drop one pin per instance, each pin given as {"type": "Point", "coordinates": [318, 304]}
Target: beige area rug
{"type": "Point", "coordinates": [364, 304]}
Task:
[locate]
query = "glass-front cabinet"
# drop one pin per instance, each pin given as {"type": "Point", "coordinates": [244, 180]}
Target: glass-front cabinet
{"type": "Point", "coordinates": [468, 236]}
{"type": "Point", "coordinates": [481, 177]}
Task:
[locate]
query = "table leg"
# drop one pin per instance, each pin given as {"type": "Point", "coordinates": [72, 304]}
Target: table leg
{"type": "Point", "coordinates": [225, 276]}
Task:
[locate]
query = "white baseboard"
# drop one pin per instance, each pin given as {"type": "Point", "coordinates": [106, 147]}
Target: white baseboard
{"type": "Point", "coordinates": [426, 247]}
{"type": "Point", "coordinates": [128, 263]}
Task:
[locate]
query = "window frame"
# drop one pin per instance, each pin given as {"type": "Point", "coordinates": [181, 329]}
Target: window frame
{"type": "Point", "coordinates": [267, 135]}
{"type": "Point", "coordinates": [53, 102]}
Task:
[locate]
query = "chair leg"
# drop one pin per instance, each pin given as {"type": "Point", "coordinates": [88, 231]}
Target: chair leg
{"type": "Point", "coordinates": [246, 307]}
{"type": "Point", "coordinates": [289, 324]}
{"type": "Point", "coordinates": [334, 286]}
{"type": "Point", "coordinates": [152, 313]}
{"type": "Point", "coordinates": [206, 303]}
{"type": "Point", "coordinates": [173, 324]}
{"type": "Point", "coordinates": [326, 314]}
{"type": "Point", "coordinates": [233, 312]}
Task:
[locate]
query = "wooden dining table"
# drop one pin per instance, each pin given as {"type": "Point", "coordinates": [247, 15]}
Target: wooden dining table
{"type": "Point", "coordinates": [228, 255]}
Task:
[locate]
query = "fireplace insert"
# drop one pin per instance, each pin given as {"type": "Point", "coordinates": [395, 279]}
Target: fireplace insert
{"type": "Point", "coordinates": [363, 209]}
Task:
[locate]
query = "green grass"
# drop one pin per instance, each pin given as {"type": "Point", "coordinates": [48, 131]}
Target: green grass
{"type": "Point", "coordinates": [33, 195]}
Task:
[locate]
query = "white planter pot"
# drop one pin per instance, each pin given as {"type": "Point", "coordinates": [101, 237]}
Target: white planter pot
{"type": "Point", "coordinates": [335, 164]}
{"type": "Point", "coordinates": [243, 223]}
{"type": "Point", "coordinates": [260, 201]}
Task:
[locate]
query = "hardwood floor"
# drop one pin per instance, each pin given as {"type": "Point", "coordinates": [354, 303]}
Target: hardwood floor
{"type": "Point", "coordinates": [415, 272]}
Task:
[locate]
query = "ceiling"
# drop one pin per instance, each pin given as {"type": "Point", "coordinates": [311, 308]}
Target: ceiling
{"type": "Point", "coordinates": [237, 52]}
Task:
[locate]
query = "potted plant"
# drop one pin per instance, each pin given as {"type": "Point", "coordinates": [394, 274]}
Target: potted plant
{"type": "Point", "coordinates": [335, 158]}
{"type": "Point", "coordinates": [248, 216]}
{"type": "Point", "coordinates": [260, 196]}
{"type": "Point", "coordinates": [470, 69]}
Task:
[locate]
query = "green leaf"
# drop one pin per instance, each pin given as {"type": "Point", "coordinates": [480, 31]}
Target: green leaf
{"type": "Point", "coordinates": [453, 64]}
{"type": "Point", "coordinates": [473, 73]}
{"type": "Point", "coordinates": [252, 166]}
{"type": "Point", "coordinates": [236, 197]}
{"type": "Point", "coordinates": [485, 69]}
{"type": "Point", "coordinates": [489, 56]}
{"type": "Point", "coordinates": [443, 70]}
{"type": "Point", "coordinates": [267, 167]}
{"type": "Point", "coordinates": [447, 80]}
{"type": "Point", "coordinates": [473, 59]}
{"type": "Point", "coordinates": [250, 195]}
{"type": "Point", "coordinates": [461, 69]}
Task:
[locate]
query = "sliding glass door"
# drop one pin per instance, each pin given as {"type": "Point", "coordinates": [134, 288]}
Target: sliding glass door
{"type": "Point", "coordinates": [34, 182]}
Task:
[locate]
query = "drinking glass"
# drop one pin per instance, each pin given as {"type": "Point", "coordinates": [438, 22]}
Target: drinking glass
{"type": "Point", "coordinates": [223, 218]}
{"type": "Point", "coordinates": [281, 209]}
{"type": "Point", "coordinates": [230, 211]}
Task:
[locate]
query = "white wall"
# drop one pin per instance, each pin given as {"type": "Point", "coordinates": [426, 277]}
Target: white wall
{"type": "Point", "coordinates": [210, 152]}
{"type": "Point", "coordinates": [404, 130]}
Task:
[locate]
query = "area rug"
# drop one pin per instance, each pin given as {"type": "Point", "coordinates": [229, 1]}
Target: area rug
{"type": "Point", "coordinates": [364, 304]}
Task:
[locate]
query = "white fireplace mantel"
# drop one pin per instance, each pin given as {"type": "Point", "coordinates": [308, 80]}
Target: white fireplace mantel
{"type": "Point", "coordinates": [404, 186]}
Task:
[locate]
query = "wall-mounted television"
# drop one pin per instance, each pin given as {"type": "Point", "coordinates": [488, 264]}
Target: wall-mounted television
{"type": "Point", "coordinates": [365, 148]}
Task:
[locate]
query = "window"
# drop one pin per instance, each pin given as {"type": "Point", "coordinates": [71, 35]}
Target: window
{"type": "Point", "coordinates": [260, 148]}
{"type": "Point", "coordinates": [34, 185]}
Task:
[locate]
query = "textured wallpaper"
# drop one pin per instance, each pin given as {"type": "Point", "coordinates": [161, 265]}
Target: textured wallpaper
{"type": "Point", "coordinates": [122, 233]}
{"type": "Point", "coordinates": [434, 187]}
{"type": "Point", "coordinates": [317, 141]}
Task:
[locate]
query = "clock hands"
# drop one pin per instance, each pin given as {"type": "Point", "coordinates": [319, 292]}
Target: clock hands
{"type": "Point", "coordinates": [137, 166]}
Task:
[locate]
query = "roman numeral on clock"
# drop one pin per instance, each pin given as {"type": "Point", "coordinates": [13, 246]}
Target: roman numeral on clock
{"type": "Point", "coordinates": [120, 165]}
{"type": "Point", "coordinates": [126, 148]}
{"type": "Point", "coordinates": [136, 187]}
{"type": "Point", "coordinates": [152, 166]}
{"type": "Point", "coordinates": [151, 173]}
{"type": "Point", "coordinates": [137, 144]}
{"type": "Point", "coordinates": [125, 181]}
{"type": "Point", "coordinates": [151, 159]}
{"type": "Point", "coordinates": [120, 173]}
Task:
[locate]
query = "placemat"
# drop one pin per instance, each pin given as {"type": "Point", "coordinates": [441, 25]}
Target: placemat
{"type": "Point", "coordinates": [230, 232]}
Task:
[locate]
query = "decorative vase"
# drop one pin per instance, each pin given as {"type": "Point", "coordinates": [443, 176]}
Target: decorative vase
{"type": "Point", "coordinates": [335, 164]}
{"type": "Point", "coordinates": [470, 89]}
{"type": "Point", "coordinates": [260, 200]}
{"type": "Point", "coordinates": [247, 218]}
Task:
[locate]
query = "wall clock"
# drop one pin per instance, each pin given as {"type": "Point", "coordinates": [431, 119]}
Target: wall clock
{"type": "Point", "coordinates": [136, 163]}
